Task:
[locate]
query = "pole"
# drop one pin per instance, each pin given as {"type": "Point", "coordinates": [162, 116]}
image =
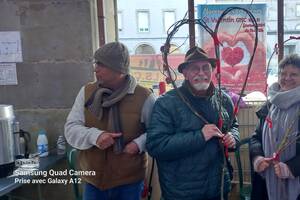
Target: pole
{"type": "Point", "coordinates": [191, 24]}
{"type": "Point", "coordinates": [280, 26]}
{"type": "Point", "coordinates": [101, 28]}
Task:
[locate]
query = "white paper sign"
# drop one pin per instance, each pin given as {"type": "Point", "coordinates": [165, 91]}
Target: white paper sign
{"type": "Point", "coordinates": [8, 74]}
{"type": "Point", "coordinates": [10, 46]}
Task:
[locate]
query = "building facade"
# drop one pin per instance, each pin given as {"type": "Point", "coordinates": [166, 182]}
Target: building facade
{"type": "Point", "coordinates": [143, 24]}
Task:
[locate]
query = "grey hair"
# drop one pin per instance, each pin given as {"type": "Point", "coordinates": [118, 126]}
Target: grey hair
{"type": "Point", "coordinates": [293, 59]}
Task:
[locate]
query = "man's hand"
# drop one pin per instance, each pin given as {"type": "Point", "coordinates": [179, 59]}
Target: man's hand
{"type": "Point", "coordinates": [282, 170]}
{"type": "Point", "coordinates": [131, 148]}
{"type": "Point", "coordinates": [261, 163]}
{"type": "Point", "coordinates": [106, 139]}
{"type": "Point", "coordinates": [229, 140]}
{"type": "Point", "coordinates": [211, 130]}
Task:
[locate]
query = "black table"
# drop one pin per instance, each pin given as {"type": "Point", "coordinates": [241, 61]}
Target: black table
{"type": "Point", "coordinates": [8, 184]}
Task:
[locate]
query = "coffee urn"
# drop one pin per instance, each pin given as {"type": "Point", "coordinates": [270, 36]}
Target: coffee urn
{"type": "Point", "coordinates": [7, 159]}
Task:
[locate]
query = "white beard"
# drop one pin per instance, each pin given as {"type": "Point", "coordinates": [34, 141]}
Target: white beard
{"type": "Point", "coordinates": [200, 86]}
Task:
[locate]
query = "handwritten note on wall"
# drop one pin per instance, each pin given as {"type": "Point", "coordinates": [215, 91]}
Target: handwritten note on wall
{"type": "Point", "coordinates": [10, 46]}
{"type": "Point", "coordinates": [8, 74]}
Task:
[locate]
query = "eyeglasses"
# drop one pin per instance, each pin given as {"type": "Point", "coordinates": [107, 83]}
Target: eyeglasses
{"type": "Point", "coordinates": [290, 75]}
{"type": "Point", "coordinates": [194, 68]}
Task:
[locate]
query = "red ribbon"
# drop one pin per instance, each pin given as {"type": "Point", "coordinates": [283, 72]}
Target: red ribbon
{"type": "Point", "coordinates": [236, 110]}
{"type": "Point", "coordinates": [294, 38]}
{"type": "Point", "coordinates": [226, 151]}
{"type": "Point", "coordinates": [266, 89]}
{"type": "Point", "coordinates": [216, 40]}
{"type": "Point", "coordinates": [168, 80]}
{"type": "Point", "coordinates": [276, 156]}
{"type": "Point", "coordinates": [145, 190]}
{"type": "Point", "coordinates": [269, 122]}
{"type": "Point", "coordinates": [220, 123]}
{"type": "Point", "coordinates": [162, 87]}
{"type": "Point", "coordinates": [218, 66]}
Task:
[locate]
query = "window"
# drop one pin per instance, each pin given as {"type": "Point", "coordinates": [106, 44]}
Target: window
{"type": "Point", "coordinates": [143, 21]}
{"type": "Point", "coordinates": [272, 14]}
{"type": "Point", "coordinates": [297, 27]}
{"type": "Point", "coordinates": [289, 49]}
{"type": "Point", "coordinates": [169, 19]}
{"type": "Point", "coordinates": [144, 49]}
{"type": "Point", "coordinates": [298, 10]}
{"type": "Point", "coordinates": [120, 21]}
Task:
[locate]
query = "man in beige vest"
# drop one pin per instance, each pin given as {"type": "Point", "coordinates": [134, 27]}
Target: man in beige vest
{"type": "Point", "coordinates": [107, 124]}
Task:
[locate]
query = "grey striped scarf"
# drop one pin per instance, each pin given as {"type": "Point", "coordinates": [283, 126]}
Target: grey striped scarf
{"type": "Point", "coordinates": [105, 98]}
{"type": "Point", "coordinates": [283, 112]}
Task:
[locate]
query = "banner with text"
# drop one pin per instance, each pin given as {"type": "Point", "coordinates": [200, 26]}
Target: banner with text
{"type": "Point", "coordinates": [147, 69]}
{"type": "Point", "coordinates": [236, 33]}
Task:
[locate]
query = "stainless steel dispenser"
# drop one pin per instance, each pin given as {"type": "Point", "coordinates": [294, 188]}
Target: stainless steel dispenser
{"type": "Point", "coordinates": [7, 157]}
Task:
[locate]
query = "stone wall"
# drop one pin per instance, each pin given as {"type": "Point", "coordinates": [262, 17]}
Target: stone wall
{"type": "Point", "coordinates": [58, 39]}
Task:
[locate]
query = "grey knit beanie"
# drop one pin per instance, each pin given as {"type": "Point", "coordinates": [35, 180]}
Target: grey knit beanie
{"type": "Point", "coordinates": [115, 56]}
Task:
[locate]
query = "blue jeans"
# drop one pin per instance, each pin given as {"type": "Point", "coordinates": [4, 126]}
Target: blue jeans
{"type": "Point", "coordinates": [124, 192]}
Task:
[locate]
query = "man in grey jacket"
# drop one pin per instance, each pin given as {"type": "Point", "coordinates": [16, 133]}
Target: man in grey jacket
{"type": "Point", "coordinates": [107, 124]}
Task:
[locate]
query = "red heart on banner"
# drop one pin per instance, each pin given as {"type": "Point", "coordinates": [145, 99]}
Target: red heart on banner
{"type": "Point", "coordinates": [232, 56]}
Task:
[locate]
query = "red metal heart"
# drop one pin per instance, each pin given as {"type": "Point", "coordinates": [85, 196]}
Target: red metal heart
{"type": "Point", "coordinates": [232, 56]}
